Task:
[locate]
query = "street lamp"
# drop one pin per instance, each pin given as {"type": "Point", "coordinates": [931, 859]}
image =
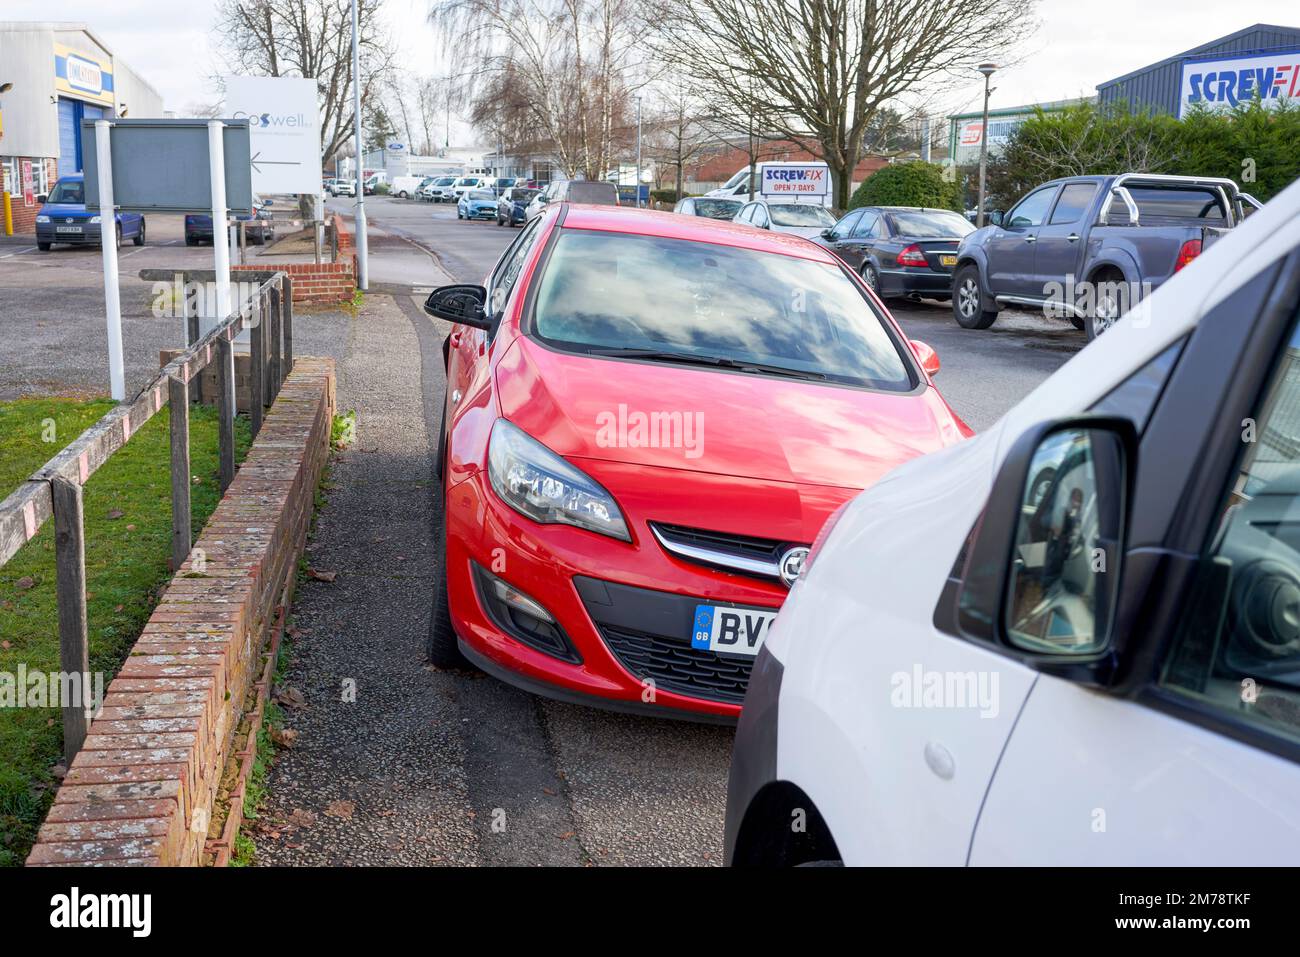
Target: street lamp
{"type": "Point", "coordinates": [987, 69]}
{"type": "Point", "coordinates": [363, 252]}
{"type": "Point", "coordinates": [637, 183]}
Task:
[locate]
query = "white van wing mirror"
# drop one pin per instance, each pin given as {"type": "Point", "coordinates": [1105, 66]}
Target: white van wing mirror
{"type": "Point", "coordinates": [1045, 558]}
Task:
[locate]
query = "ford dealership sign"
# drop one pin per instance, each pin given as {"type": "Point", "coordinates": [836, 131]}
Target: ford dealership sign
{"type": "Point", "coordinates": [1223, 83]}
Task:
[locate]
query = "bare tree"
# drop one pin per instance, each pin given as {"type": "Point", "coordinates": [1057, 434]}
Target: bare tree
{"type": "Point", "coordinates": [678, 131]}
{"type": "Point", "coordinates": [824, 69]}
{"type": "Point", "coordinates": [553, 74]}
{"type": "Point", "coordinates": [312, 39]}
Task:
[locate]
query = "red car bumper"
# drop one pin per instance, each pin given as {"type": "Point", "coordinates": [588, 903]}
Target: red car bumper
{"type": "Point", "coordinates": [625, 609]}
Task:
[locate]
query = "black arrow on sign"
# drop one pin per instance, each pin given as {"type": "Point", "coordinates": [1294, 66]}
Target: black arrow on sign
{"type": "Point", "coordinates": [253, 160]}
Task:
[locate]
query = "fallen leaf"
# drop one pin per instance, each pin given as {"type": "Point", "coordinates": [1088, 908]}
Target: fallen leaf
{"type": "Point", "coordinates": [130, 527]}
{"type": "Point", "coordinates": [59, 771]}
{"type": "Point", "coordinates": [290, 697]}
{"type": "Point", "coordinates": [117, 608]}
{"type": "Point", "coordinates": [548, 791]}
{"type": "Point", "coordinates": [24, 583]}
{"type": "Point", "coordinates": [116, 513]}
{"type": "Point", "coordinates": [566, 835]}
{"type": "Point", "coordinates": [322, 576]}
{"type": "Point", "coordinates": [300, 818]}
{"type": "Point", "coordinates": [284, 737]}
{"type": "Point", "coordinates": [5, 645]}
{"type": "Point", "coordinates": [343, 809]}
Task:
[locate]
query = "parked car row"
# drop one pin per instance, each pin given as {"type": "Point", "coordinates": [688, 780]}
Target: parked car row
{"type": "Point", "coordinates": [1084, 248]}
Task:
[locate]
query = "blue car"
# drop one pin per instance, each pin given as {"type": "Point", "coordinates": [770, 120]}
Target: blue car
{"type": "Point", "coordinates": [63, 218]}
{"type": "Point", "coordinates": [512, 207]}
{"type": "Point", "coordinates": [477, 204]}
{"type": "Point", "coordinates": [259, 231]}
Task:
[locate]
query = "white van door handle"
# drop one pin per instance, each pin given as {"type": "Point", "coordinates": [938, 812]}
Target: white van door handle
{"type": "Point", "coordinates": [940, 760]}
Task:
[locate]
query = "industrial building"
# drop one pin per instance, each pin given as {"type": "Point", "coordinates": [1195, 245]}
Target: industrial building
{"type": "Point", "coordinates": [1263, 59]}
{"type": "Point", "coordinates": [54, 75]}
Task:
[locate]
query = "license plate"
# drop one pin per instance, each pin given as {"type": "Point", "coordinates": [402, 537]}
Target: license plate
{"type": "Point", "coordinates": [948, 260]}
{"type": "Point", "coordinates": [733, 631]}
{"type": "Point", "coordinates": [67, 229]}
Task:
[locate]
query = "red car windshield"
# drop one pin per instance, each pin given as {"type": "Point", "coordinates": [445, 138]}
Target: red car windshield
{"type": "Point", "coordinates": [605, 292]}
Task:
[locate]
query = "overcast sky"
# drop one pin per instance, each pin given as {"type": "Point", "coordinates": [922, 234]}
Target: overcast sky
{"type": "Point", "coordinates": [1079, 44]}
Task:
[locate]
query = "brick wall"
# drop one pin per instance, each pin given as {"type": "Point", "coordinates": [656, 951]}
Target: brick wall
{"type": "Point", "coordinates": [326, 283]}
{"type": "Point", "coordinates": [346, 239]}
{"type": "Point", "coordinates": [142, 788]}
{"type": "Point", "coordinates": [24, 217]}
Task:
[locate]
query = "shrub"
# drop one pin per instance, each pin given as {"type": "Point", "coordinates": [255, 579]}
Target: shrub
{"type": "Point", "coordinates": [908, 184]}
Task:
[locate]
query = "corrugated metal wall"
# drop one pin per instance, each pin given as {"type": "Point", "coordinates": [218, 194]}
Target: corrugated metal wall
{"type": "Point", "coordinates": [1156, 86]}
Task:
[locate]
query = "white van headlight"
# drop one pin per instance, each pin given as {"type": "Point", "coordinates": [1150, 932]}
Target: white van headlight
{"type": "Point", "coordinates": [536, 482]}
{"type": "Point", "coordinates": [42, 219]}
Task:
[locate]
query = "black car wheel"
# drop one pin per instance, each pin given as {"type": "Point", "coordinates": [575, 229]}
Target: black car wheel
{"type": "Point", "coordinates": [871, 277]}
{"type": "Point", "coordinates": [968, 304]}
{"type": "Point", "coordinates": [139, 237]}
{"type": "Point", "coordinates": [1107, 309]}
{"type": "Point", "coordinates": [43, 247]}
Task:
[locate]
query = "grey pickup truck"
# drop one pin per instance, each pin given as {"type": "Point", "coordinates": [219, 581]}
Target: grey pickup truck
{"type": "Point", "coordinates": [1088, 248]}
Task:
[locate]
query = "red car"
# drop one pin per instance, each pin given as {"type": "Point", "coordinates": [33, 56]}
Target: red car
{"type": "Point", "coordinates": [648, 419]}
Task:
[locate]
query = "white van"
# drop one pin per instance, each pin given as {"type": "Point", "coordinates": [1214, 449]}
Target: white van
{"type": "Point", "coordinates": [405, 187]}
{"type": "Point", "coordinates": [1075, 638]}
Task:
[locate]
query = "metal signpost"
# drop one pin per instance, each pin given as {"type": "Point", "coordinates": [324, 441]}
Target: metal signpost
{"type": "Point", "coordinates": [148, 166]}
{"type": "Point", "coordinates": [363, 251]}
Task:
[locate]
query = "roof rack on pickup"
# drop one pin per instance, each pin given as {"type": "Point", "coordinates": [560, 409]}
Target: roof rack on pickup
{"type": "Point", "coordinates": [1229, 194]}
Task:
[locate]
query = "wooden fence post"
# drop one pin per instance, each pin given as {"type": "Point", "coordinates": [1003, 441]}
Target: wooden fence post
{"type": "Point", "coordinates": [178, 402]}
{"type": "Point", "coordinates": [257, 364]}
{"type": "Point", "coordinates": [70, 588]}
{"type": "Point", "coordinates": [192, 333]}
{"type": "Point", "coordinates": [225, 411]}
{"type": "Point", "coordinates": [286, 322]}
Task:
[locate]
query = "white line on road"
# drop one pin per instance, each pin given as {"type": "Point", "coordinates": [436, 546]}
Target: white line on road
{"type": "Point", "coordinates": [16, 252]}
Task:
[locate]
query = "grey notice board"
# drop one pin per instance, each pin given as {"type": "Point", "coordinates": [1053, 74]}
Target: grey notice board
{"type": "Point", "coordinates": [162, 165]}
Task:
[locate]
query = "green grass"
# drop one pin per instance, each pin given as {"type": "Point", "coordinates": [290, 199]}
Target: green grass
{"type": "Point", "coordinates": [127, 560]}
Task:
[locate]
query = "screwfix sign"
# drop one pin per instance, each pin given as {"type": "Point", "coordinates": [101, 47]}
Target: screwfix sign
{"type": "Point", "coordinates": [796, 179]}
{"type": "Point", "coordinates": [1223, 83]}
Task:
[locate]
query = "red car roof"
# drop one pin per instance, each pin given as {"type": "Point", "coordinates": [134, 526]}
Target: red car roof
{"type": "Point", "coordinates": [648, 222]}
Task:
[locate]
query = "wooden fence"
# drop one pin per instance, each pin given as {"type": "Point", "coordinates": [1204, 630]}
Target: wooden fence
{"type": "Point", "coordinates": [56, 488]}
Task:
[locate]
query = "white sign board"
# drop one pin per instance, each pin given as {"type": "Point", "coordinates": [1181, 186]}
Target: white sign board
{"type": "Point", "coordinates": [796, 179]}
{"type": "Point", "coordinates": [1222, 83]}
{"type": "Point", "coordinates": [284, 121]}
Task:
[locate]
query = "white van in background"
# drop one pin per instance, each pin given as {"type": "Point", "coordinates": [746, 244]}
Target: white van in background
{"type": "Point", "coordinates": [406, 186]}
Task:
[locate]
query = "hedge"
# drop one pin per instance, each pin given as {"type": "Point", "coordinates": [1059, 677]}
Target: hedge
{"type": "Point", "coordinates": [908, 184]}
{"type": "Point", "coordinates": [1253, 145]}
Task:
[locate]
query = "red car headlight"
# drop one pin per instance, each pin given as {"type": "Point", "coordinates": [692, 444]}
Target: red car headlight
{"type": "Point", "coordinates": [536, 482]}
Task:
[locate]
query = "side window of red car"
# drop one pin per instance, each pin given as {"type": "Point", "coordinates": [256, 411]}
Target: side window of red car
{"type": "Point", "coordinates": [508, 269]}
